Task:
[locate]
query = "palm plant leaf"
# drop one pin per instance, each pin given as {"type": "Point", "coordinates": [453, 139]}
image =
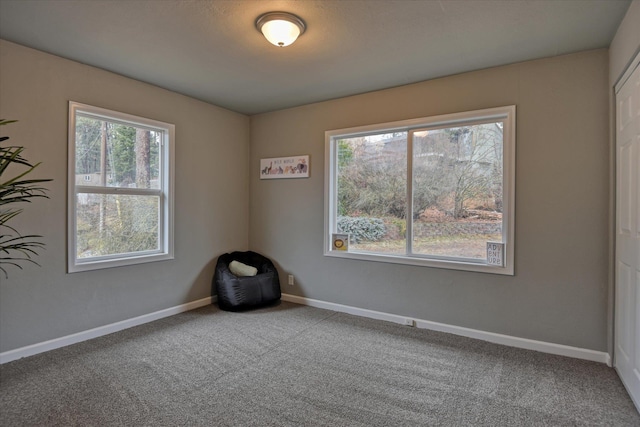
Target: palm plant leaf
{"type": "Point", "coordinates": [14, 247]}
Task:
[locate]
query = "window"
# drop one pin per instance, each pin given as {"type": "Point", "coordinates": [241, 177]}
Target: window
{"type": "Point", "coordinates": [120, 189]}
{"type": "Point", "coordinates": [435, 191]}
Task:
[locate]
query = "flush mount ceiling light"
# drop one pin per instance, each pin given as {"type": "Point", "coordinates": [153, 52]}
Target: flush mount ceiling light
{"type": "Point", "coordinates": [280, 28]}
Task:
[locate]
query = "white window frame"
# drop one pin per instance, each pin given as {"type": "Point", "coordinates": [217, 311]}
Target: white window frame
{"type": "Point", "coordinates": [165, 192]}
{"type": "Point", "coordinates": [507, 114]}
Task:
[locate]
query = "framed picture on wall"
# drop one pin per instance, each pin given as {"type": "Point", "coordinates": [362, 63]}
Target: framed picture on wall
{"type": "Point", "coordinates": [284, 167]}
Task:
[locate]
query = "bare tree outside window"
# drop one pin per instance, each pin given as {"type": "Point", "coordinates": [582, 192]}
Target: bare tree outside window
{"type": "Point", "coordinates": [114, 155]}
{"type": "Point", "coordinates": [456, 181]}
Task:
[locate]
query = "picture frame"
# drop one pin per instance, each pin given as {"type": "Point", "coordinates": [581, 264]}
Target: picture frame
{"type": "Point", "coordinates": [285, 167]}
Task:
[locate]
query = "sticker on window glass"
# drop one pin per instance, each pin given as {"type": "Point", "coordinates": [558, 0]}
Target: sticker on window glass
{"type": "Point", "coordinates": [495, 252]}
{"type": "Point", "coordinates": [340, 242]}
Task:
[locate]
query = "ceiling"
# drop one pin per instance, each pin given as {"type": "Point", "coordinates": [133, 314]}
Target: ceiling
{"type": "Point", "coordinates": [211, 50]}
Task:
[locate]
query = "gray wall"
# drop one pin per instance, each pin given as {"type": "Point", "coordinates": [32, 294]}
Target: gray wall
{"type": "Point", "coordinates": [211, 200]}
{"type": "Point", "coordinates": [559, 291]}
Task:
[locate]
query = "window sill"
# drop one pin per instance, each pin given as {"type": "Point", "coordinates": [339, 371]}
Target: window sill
{"type": "Point", "coordinates": [424, 262]}
{"type": "Point", "coordinates": [89, 265]}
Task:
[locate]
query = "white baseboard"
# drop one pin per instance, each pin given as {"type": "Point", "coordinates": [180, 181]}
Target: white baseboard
{"type": "Point", "coordinates": [33, 349]}
{"type": "Point", "coordinates": [544, 347]}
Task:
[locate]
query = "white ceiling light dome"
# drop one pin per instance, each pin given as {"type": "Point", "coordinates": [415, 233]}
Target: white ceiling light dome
{"type": "Point", "coordinates": [280, 28]}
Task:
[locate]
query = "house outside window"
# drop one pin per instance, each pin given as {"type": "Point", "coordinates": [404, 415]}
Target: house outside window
{"type": "Point", "coordinates": [434, 191]}
{"type": "Point", "coordinates": [120, 189]}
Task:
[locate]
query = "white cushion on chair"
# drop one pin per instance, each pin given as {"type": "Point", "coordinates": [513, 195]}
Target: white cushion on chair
{"type": "Point", "coordinates": [240, 269]}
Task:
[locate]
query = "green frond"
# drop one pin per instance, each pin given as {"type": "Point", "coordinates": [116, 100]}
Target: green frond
{"type": "Point", "coordinates": [14, 247]}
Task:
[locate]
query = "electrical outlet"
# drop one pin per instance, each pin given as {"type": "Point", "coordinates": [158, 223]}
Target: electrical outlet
{"type": "Point", "coordinates": [291, 282]}
{"type": "Point", "coordinates": [409, 322]}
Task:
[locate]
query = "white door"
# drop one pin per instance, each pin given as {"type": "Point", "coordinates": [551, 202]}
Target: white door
{"type": "Point", "coordinates": [627, 288]}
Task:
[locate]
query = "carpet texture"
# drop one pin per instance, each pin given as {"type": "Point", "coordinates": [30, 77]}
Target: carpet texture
{"type": "Point", "coordinates": [292, 365]}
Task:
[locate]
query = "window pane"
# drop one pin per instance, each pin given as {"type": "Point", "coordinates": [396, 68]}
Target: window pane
{"type": "Point", "coordinates": [371, 198]}
{"type": "Point", "coordinates": [457, 190]}
{"type": "Point", "coordinates": [116, 224]}
{"type": "Point", "coordinates": [110, 154]}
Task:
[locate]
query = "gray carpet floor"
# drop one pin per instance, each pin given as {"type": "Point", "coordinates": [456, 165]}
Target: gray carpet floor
{"type": "Point", "coordinates": [292, 365]}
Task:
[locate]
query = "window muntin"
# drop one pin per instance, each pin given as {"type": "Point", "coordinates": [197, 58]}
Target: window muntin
{"type": "Point", "coordinates": [456, 171]}
{"type": "Point", "coordinates": [120, 188]}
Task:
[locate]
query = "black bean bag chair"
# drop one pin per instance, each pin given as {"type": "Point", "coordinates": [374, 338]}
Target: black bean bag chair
{"type": "Point", "coordinates": [240, 293]}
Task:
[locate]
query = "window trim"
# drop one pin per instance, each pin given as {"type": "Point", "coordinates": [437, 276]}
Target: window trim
{"type": "Point", "coordinates": [166, 192]}
{"type": "Point", "coordinates": [505, 113]}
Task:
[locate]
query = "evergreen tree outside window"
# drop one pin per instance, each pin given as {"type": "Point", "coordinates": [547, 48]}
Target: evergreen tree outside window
{"type": "Point", "coordinates": [120, 188]}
